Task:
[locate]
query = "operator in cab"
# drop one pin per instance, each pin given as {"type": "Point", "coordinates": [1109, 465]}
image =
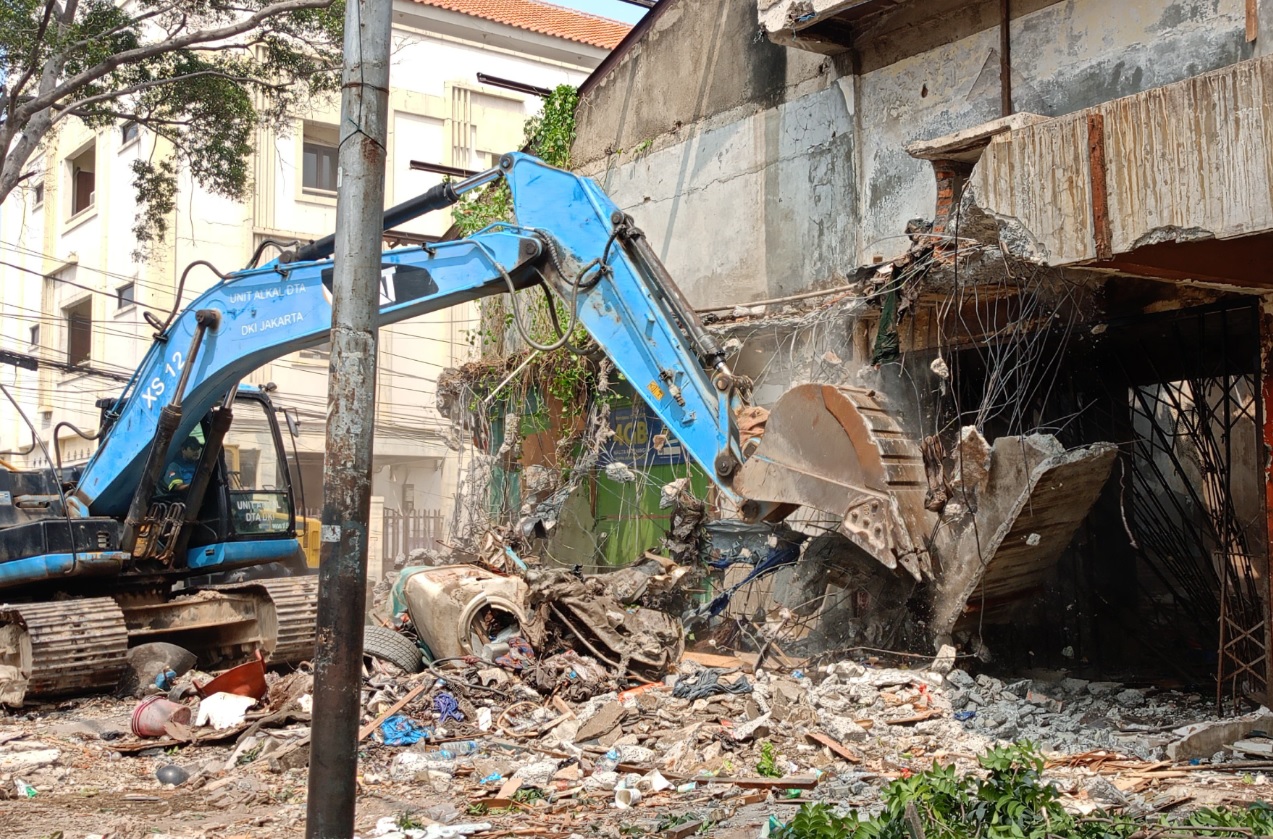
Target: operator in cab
{"type": "Point", "coordinates": [181, 471]}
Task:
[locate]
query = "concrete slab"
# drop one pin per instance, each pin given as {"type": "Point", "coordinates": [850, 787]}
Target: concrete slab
{"type": "Point", "coordinates": [1037, 496]}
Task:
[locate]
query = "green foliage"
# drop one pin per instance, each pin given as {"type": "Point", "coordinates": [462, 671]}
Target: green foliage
{"type": "Point", "coordinates": [408, 821]}
{"type": "Point", "coordinates": [549, 135]}
{"type": "Point", "coordinates": [667, 821]}
{"type": "Point", "coordinates": [1010, 802]}
{"type": "Point", "coordinates": [1258, 818]}
{"type": "Point", "coordinates": [820, 821]}
{"type": "Point", "coordinates": [767, 766]}
{"type": "Point", "coordinates": [528, 795]}
{"type": "Point", "coordinates": [476, 210]}
{"type": "Point", "coordinates": [202, 75]}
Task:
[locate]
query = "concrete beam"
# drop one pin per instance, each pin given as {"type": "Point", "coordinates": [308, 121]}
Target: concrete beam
{"type": "Point", "coordinates": [967, 145]}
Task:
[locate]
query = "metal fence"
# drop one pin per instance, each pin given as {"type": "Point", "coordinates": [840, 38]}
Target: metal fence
{"type": "Point", "coordinates": [407, 531]}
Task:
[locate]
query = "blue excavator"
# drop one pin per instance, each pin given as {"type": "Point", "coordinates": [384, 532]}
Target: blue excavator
{"type": "Point", "coordinates": [95, 566]}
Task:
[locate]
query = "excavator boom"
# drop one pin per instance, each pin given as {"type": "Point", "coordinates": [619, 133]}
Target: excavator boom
{"type": "Point", "coordinates": [830, 448]}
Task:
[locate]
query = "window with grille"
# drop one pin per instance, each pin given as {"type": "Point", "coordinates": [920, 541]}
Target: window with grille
{"type": "Point", "coordinates": [79, 332]}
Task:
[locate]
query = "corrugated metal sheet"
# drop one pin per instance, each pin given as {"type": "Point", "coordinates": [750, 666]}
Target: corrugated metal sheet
{"type": "Point", "coordinates": [1196, 155]}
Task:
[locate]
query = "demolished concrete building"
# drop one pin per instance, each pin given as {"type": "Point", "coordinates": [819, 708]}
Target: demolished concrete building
{"type": "Point", "coordinates": [1042, 220]}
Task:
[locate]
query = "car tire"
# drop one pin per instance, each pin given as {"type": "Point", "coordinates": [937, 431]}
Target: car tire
{"type": "Point", "coordinates": [383, 643]}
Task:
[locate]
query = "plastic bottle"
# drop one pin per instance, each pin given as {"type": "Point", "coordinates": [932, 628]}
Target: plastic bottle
{"type": "Point", "coordinates": [458, 749]}
{"type": "Point", "coordinates": [609, 761]}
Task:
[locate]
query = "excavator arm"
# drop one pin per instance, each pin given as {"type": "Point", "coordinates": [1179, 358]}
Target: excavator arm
{"type": "Point", "coordinates": [569, 236]}
{"type": "Point", "coordinates": [834, 452]}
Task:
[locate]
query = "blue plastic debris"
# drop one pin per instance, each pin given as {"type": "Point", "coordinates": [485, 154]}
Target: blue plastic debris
{"type": "Point", "coordinates": [964, 716]}
{"type": "Point", "coordinates": [403, 731]}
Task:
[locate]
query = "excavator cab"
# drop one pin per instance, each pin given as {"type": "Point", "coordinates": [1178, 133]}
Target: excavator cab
{"type": "Point", "coordinates": [247, 514]}
{"type": "Point", "coordinates": [226, 499]}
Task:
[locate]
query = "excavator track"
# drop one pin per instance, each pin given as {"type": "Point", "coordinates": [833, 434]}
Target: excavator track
{"type": "Point", "coordinates": [289, 608]}
{"type": "Point", "coordinates": [65, 647]}
{"type": "Point", "coordinates": [837, 449]}
{"type": "Point", "coordinates": [68, 647]}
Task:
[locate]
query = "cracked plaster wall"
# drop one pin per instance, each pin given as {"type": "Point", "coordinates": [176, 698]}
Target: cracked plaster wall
{"type": "Point", "coordinates": [759, 170]}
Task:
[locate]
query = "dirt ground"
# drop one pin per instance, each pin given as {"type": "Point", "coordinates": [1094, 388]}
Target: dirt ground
{"type": "Point", "coordinates": [93, 778]}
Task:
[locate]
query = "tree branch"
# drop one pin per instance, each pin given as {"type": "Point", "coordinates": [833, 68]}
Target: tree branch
{"type": "Point", "coordinates": [140, 119]}
{"type": "Point", "coordinates": [69, 110]}
{"type": "Point", "coordinates": [47, 99]}
{"type": "Point", "coordinates": [35, 59]}
{"type": "Point", "coordinates": [125, 25]}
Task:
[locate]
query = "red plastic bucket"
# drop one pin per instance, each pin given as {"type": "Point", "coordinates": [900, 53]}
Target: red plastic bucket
{"type": "Point", "coordinates": [244, 680]}
{"type": "Point", "coordinates": [152, 713]}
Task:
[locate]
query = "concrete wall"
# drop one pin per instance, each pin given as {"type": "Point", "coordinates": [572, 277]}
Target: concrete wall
{"type": "Point", "coordinates": [758, 170]}
{"type": "Point", "coordinates": [1186, 161]}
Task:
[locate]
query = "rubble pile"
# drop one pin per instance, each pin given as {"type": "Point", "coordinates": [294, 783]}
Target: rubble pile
{"type": "Point", "coordinates": [557, 695]}
{"type": "Point", "coordinates": [475, 747]}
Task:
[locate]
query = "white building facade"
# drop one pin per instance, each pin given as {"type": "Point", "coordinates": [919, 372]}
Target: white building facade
{"type": "Point", "coordinates": [73, 297]}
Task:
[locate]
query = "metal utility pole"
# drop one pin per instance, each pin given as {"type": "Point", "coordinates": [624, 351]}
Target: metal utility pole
{"type": "Point", "coordinates": [360, 184]}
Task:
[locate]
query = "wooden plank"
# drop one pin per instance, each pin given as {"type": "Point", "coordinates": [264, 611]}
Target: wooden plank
{"type": "Point", "coordinates": [723, 662]}
{"type": "Point", "coordinates": [1252, 20]}
{"type": "Point", "coordinates": [393, 709]}
{"type": "Point", "coordinates": [681, 831]}
{"type": "Point", "coordinates": [920, 717]}
{"type": "Point", "coordinates": [511, 786]}
{"type": "Point", "coordinates": [835, 746]}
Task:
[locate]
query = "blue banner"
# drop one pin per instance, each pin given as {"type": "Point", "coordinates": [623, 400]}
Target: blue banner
{"type": "Point", "coordinates": [640, 439]}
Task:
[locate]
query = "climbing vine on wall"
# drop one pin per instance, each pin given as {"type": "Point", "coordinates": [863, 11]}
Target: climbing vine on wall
{"type": "Point", "coordinates": [566, 376]}
{"type": "Point", "coordinates": [549, 136]}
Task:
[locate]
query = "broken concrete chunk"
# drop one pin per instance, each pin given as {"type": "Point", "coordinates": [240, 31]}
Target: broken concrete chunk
{"type": "Point", "coordinates": [846, 669]}
{"type": "Point", "coordinates": [960, 679]}
{"type": "Point", "coordinates": [840, 728]}
{"type": "Point", "coordinates": [411, 765]}
{"type": "Point", "coordinates": [1260, 748]}
{"type": "Point", "coordinates": [890, 677]}
{"type": "Point", "coordinates": [945, 660]}
{"type": "Point", "coordinates": [1202, 740]}
{"type": "Point", "coordinates": [536, 774]}
{"type": "Point", "coordinates": [25, 761]}
{"type": "Point", "coordinates": [970, 465]}
{"type": "Point", "coordinates": [13, 686]}
{"type": "Point", "coordinates": [602, 723]}
{"type": "Point", "coordinates": [758, 727]}
{"type": "Point", "coordinates": [1130, 698]}
{"type": "Point", "coordinates": [148, 662]}
{"type": "Point", "coordinates": [636, 754]}
{"type": "Point", "coordinates": [1074, 686]}
{"type": "Point", "coordinates": [610, 738]}
{"type": "Point", "coordinates": [601, 780]}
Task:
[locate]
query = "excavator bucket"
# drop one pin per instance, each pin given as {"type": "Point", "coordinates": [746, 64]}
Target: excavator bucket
{"type": "Point", "coordinates": [835, 449]}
